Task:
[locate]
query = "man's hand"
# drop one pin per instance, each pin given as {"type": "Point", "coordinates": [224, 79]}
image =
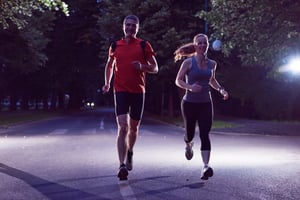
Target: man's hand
{"type": "Point", "coordinates": [105, 88]}
{"type": "Point", "coordinates": [137, 65]}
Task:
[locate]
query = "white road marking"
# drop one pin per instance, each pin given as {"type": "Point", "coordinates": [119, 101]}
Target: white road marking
{"type": "Point", "coordinates": [126, 191]}
{"type": "Point", "coordinates": [58, 132]}
{"type": "Point", "coordinates": [101, 127]}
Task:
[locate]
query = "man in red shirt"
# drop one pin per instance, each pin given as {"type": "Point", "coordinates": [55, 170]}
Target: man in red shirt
{"type": "Point", "coordinates": [129, 63]}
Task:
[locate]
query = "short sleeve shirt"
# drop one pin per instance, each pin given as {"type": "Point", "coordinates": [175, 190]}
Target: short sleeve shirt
{"type": "Point", "coordinates": [126, 77]}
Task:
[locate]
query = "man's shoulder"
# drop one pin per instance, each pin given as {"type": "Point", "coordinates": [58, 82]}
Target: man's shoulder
{"type": "Point", "coordinates": [115, 43]}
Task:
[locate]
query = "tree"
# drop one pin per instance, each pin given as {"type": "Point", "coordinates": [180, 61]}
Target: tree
{"type": "Point", "coordinates": [264, 31]}
{"type": "Point", "coordinates": [24, 24]}
{"type": "Point", "coordinates": [17, 11]}
{"type": "Point", "coordinates": [72, 67]}
{"type": "Point", "coordinates": [167, 25]}
{"type": "Point", "coordinates": [22, 51]}
{"type": "Point", "coordinates": [262, 34]}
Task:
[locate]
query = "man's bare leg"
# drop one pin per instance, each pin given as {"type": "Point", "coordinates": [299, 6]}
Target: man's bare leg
{"type": "Point", "coordinates": [133, 133]}
{"type": "Point", "coordinates": [132, 137]}
{"type": "Point", "coordinates": [122, 121]}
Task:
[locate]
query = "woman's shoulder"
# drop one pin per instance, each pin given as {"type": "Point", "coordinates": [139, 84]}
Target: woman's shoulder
{"type": "Point", "coordinates": [213, 63]}
{"type": "Point", "coordinates": [188, 61]}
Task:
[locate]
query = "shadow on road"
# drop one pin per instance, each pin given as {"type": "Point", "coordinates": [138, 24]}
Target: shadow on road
{"type": "Point", "coordinates": [51, 190]}
{"type": "Point", "coordinates": [162, 191]}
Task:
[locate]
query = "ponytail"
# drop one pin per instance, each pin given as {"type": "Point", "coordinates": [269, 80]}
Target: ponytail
{"type": "Point", "coordinates": [185, 50]}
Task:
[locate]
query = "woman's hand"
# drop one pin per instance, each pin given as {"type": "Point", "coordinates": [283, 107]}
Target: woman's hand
{"type": "Point", "coordinates": [195, 88]}
{"type": "Point", "coordinates": [224, 93]}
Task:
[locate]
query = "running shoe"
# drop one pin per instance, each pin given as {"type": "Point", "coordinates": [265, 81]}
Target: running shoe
{"type": "Point", "coordinates": [123, 173]}
{"type": "Point", "coordinates": [206, 173]}
{"type": "Point", "coordinates": [129, 160]}
{"type": "Point", "coordinates": [189, 151]}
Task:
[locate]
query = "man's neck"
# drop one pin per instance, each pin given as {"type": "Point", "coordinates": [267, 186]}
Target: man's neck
{"type": "Point", "coordinates": [129, 38]}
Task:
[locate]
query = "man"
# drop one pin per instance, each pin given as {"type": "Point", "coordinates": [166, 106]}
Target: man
{"type": "Point", "coordinates": [129, 62]}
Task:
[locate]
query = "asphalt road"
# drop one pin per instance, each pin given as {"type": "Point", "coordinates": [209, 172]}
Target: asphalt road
{"type": "Point", "coordinates": [74, 157]}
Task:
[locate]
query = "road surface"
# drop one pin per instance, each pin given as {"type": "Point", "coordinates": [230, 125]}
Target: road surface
{"type": "Point", "coordinates": [74, 157]}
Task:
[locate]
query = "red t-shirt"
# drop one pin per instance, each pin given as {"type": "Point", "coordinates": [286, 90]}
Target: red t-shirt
{"type": "Point", "coordinates": [126, 77]}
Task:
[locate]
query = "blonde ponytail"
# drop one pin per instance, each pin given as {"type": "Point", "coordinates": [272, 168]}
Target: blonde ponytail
{"type": "Point", "coordinates": [185, 50]}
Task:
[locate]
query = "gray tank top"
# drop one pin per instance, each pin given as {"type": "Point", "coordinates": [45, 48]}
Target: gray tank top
{"type": "Point", "coordinates": [201, 77]}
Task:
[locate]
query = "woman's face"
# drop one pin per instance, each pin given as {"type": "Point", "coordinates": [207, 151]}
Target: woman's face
{"type": "Point", "coordinates": [130, 27]}
{"type": "Point", "coordinates": [201, 44]}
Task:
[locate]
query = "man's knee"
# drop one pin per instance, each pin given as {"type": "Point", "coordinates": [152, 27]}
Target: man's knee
{"type": "Point", "coordinates": [123, 128]}
{"type": "Point", "coordinates": [133, 129]}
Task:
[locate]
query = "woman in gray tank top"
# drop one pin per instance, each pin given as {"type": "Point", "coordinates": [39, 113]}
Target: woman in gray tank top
{"type": "Point", "coordinates": [196, 76]}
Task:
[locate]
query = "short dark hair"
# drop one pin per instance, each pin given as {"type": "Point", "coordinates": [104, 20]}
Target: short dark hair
{"type": "Point", "coordinates": [133, 17]}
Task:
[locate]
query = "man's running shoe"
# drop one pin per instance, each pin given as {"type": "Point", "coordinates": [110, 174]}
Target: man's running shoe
{"type": "Point", "coordinates": [189, 151]}
{"type": "Point", "coordinates": [123, 173]}
{"type": "Point", "coordinates": [129, 160]}
{"type": "Point", "coordinates": [206, 173]}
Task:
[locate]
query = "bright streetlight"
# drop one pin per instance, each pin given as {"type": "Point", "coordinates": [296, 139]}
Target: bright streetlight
{"type": "Point", "coordinates": [292, 66]}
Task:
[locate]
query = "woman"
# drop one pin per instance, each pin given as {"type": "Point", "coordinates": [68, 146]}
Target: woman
{"type": "Point", "coordinates": [197, 75]}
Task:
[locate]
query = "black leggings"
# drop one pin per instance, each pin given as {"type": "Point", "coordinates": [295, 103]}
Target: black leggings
{"type": "Point", "coordinates": [201, 113]}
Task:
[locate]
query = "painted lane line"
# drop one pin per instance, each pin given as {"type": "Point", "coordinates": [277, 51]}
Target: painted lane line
{"type": "Point", "coordinates": [101, 127]}
{"type": "Point", "coordinates": [126, 191]}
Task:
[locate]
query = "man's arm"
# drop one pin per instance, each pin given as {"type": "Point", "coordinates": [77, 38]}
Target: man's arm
{"type": "Point", "coordinates": [108, 72]}
{"type": "Point", "coordinates": [151, 67]}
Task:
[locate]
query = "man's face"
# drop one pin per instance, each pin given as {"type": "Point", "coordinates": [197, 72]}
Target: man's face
{"type": "Point", "coordinates": [130, 27]}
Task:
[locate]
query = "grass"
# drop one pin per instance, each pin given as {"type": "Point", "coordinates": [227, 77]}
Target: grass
{"type": "Point", "coordinates": [178, 121]}
{"type": "Point", "coordinates": [222, 124]}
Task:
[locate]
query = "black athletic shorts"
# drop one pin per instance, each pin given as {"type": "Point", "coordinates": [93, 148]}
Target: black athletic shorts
{"type": "Point", "coordinates": [132, 103]}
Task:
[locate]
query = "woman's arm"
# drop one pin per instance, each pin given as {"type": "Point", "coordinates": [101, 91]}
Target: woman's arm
{"type": "Point", "coordinates": [180, 78]}
{"type": "Point", "coordinates": [215, 84]}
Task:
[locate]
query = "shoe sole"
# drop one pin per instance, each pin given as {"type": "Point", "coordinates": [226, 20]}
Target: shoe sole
{"type": "Point", "coordinates": [123, 179]}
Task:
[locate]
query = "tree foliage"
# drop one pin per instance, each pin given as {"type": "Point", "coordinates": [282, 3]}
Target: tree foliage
{"type": "Point", "coordinates": [23, 50]}
{"type": "Point", "coordinates": [166, 24]}
{"type": "Point", "coordinates": [264, 31]}
{"type": "Point", "coordinates": [17, 11]}
{"type": "Point", "coordinates": [44, 54]}
{"type": "Point", "coordinates": [73, 63]}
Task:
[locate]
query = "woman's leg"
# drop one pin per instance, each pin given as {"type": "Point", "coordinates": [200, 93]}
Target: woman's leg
{"type": "Point", "coordinates": [187, 110]}
{"type": "Point", "coordinates": [190, 125]}
{"type": "Point", "coordinates": [205, 123]}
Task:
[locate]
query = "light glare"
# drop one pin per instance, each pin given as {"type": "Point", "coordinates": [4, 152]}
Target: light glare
{"type": "Point", "coordinates": [293, 66]}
